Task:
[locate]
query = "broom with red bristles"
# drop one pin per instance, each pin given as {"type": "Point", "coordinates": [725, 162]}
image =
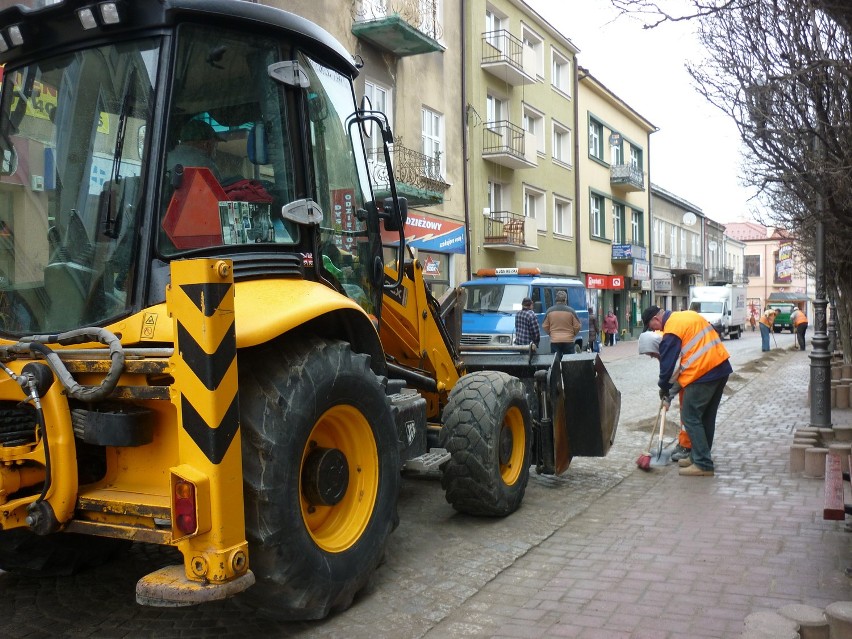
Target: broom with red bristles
{"type": "Point", "coordinates": [644, 460]}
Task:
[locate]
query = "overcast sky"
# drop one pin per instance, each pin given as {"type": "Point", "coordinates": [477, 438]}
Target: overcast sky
{"type": "Point", "coordinates": [696, 152]}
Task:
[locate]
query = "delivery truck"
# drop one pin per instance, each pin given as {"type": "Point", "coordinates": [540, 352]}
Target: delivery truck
{"type": "Point", "coordinates": [723, 306]}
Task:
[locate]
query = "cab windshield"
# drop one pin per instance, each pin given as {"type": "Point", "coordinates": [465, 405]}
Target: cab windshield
{"type": "Point", "coordinates": [72, 137]}
{"type": "Point", "coordinates": [495, 298]}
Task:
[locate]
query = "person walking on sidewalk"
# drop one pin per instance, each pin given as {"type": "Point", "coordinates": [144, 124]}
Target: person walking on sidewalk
{"type": "Point", "coordinates": [562, 325]}
{"type": "Point", "coordinates": [526, 325]}
{"type": "Point", "coordinates": [610, 327]}
{"type": "Point", "coordinates": [800, 324]}
{"type": "Point", "coordinates": [766, 321]}
{"type": "Point", "coordinates": [703, 373]}
{"type": "Point", "coordinates": [594, 344]}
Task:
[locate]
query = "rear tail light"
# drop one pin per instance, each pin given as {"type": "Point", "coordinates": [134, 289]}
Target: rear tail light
{"type": "Point", "coordinates": [186, 520]}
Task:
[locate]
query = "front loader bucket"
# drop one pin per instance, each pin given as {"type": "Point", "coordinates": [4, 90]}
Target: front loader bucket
{"type": "Point", "coordinates": [574, 403]}
{"type": "Point", "coordinates": [584, 406]}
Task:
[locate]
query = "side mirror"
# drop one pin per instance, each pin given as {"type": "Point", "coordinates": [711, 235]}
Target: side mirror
{"type": "Point", "coordinates": [256, 147]}
{"type": "Point", "coordinates": [395, 218]}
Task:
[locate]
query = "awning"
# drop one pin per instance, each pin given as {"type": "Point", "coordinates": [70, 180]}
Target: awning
{"type": "Point", "coordinates": [787, 297]}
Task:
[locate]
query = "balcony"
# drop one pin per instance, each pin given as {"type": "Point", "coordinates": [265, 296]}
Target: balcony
{"type": "Point", "coordinates": [719, 276]}
{"type": "Point", "coordinates": [509, 231]}
{"type": "Point", "coordinates": [418, 176]}
{"type": "Point", "coordinates": [626, 177]}
{"type": "Point", "coordinates": [509, 145]}
{"type": "Point", "coordinates": [662, 261]}
{"type": "Point", "coordinates": [687, 265]}
{"type": "Point", "coordinates": [740, 279]}
{"type": "Point", "coordinates": [400, 27]}
{"type": "Point", "coordinates": [507, 58]}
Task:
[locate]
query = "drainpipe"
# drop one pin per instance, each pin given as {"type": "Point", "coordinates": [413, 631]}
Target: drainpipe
{"type": "Point", "coordinates": [577, 240]}
{"type": "Point", "coordinates": [465, 168]}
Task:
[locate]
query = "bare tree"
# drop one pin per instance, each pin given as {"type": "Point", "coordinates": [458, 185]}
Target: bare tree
{"type": "Point", "coordinates": [782, 70]}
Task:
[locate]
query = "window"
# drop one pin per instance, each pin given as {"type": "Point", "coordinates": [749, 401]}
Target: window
{"type": "Point", "coordinates": [561, 143]}
{"type": "Point", "coordinates": [563, 216]}
{"type": "Point", "coordinates": [616, 151]}
{"type": "Point", "coordinates": [534, 42]}
{"type": "Point", "coordinates": [596, 206]}
{"type": "Point", "coordinates": [534, 123]}
{"type": "Point", "coordinates": [495, 109]}
{"type": "Point", "coordinates": [617, 223]}
{"type": "Point", "coordinates": [673, 242]}
{"type": "Point", "coordinates": [495, 196]}
{"type": "Point", "coordinates": [636, 157]}
{"type": "Point", "coordinates": [638, 227]}
{"type": "Point", "coordinates": [433, 146]}
{"type": "Point", "coordinates": [660, 237]}
{"type": "Point", "coordinates": [560, 73]}
{"type": "Point", "coordinates": [595, 139]}
{"type": "Point", "coordinates": [752, 265]}
{"type": "Point", "coordinates": [493, 29]}
{"type": "Point", "coordinates": [534, 207]}
{"type": "Point", "coordinates": [380, 99]}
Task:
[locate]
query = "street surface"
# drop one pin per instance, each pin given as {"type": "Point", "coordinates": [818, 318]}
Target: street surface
{"type": "Point", "coordinates": [546, 570]}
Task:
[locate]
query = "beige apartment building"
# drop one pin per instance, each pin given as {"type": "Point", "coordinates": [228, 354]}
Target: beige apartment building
{"type": "Point", "coordinates": [412, 71]}
{"type": "Point", "coordinates": [520, 123]}
{"type": "Point", "coordinates": [772, 267]}
{"type": "Point", "coordinates": [614, 203]}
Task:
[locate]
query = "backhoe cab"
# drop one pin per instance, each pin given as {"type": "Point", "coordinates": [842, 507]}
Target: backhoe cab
{"type": "Point", "coordinates": [201, 344]}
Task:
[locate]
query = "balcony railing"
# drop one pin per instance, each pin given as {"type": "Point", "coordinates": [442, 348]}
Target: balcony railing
{"type": "Point", "coordinates": [687, 265]}
{"type": "Point", "coordinates": [510, 231]}
{"type": "Point", "coordinates": [508, 58]}
{"type": "Point", "coordinates": [418, 176]}
{"type": "Point", "coordinates": [402, 27]}
{"type": "Point", "coordinates": [508, 145]}
{"type": "Point", "coordinates": [720, 276]}
{"type": "Point", "coordinates": [628, 176]}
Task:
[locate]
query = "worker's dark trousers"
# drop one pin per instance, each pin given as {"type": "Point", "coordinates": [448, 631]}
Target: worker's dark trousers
{"type": "Point", "coordinates": [698, 408]}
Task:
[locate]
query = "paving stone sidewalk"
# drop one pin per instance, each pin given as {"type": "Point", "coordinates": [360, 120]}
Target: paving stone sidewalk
{"type": "Point", "coordinates": [666, 556]}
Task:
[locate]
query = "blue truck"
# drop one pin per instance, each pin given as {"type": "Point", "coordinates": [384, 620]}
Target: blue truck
{"type": "Point", "coordinates": [494, 298]}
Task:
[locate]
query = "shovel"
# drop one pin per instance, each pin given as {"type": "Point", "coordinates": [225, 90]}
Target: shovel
{"type": "Point", "coordinates": [644, 460]}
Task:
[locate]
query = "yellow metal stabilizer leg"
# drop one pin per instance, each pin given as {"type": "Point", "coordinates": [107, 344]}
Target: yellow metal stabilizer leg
{"type": "Point", "coordinates": [208, 523]}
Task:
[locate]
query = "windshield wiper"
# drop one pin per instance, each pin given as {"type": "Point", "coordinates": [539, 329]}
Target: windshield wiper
{"type": "Point", "coordinates": [112, 226]}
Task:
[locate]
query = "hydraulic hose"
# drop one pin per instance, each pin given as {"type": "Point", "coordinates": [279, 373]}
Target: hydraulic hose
{"type": "Point", "coordinates": [38, 344]}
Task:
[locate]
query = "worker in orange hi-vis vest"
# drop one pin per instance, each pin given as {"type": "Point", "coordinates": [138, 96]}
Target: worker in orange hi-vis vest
{"type": "Point", "coordinates": [800, 325]}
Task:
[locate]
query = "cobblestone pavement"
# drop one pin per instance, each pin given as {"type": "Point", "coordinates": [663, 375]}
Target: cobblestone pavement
{"type": "Point", "coordinates": [603, 551]}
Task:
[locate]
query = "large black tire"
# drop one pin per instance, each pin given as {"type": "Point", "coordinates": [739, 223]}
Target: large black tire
{"type": "Point", "coordinates": [487, 431]}
{"type": "Point", "coordinates": [60, 554]}
{"type": "Point", "coordinates": [315, 409]}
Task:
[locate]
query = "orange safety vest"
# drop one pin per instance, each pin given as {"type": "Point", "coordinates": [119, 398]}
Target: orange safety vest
{"type": "Point", "coordinates": [701, 347]}
{"type": "Point", "coordinates": [801, 318]}
{"type": "Point", "coordinates": [765, 320]}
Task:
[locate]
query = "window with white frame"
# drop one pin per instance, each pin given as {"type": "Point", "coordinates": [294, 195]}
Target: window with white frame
{"type": "Point", "coordinates": [534, 123]}
{"type": "Point", "coordinates": [534, 42]}
{"type": "Point", "coordinates": [637, 227]}
{"type": "Point", "coordinates": [560, 72]}
{"type": "Point", "coordinates": [494, 24]}
{"type": "Point", "coordinates": [617, 223]}
{"type": "Point", "coordinates": [636, 157]}
{"type": "Point", "coordinates": [596, 139]}
{"type": "Point", "coordinates": [660, 237]}
{"type": "Point", "coordinates": [380, 99]}
{"type": "Point", "coordinates": [561, 143]}
{"type": "Point", "coordinates": [596, 209]}
{"type": "Point", "coordinates": [534, 207]}
{"type": "Point", "coordinates": [563, 216]}
{"type": "Point", "coordinates": [673, 241]}
{"type": "Point", "coordinates": [495, 196]}
{"type": "Point", "coordinates": [432, 135]}
{"type": "Point", "coordinates": [616, 151]}
{"type": "Point", "coordinates": [495, 109]}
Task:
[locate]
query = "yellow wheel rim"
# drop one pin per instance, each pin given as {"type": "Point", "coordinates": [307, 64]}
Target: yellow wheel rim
{"type": "Point", "coordinates": [511, 464]}
{"type": "Point", "coordinates": [337, 528]}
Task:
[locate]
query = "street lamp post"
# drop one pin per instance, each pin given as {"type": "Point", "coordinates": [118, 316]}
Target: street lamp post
{"type": "Point", "coordinates": [820, 355]}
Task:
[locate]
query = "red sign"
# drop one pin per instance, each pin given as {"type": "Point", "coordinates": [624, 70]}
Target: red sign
{"type": "Point", "coordinates": [596, 281]}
